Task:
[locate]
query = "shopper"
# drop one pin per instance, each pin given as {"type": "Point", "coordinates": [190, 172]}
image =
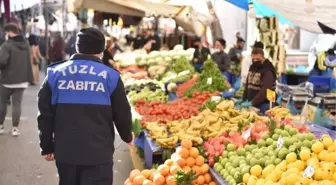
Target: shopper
{"type": "Point", "coordinates": [200, 55]}
{"type": "Point", "coordinates": [235, 52]}
{"type": "Point", "coordinates": [113, 46]}
{"type": "Point", "coordinates": [71, 44]}
{"type": "Point", "coordinates": [36, 57]}
{"type": "Point", "coordinates": [247, 61]}
{"type": "Point", "coordinates": [57, 49]}
{"type": "Point", "coordinates": [16, 74]}
{"type": "Point", "coordinates": [221, 58]}
{"type": "Point", "coordinates": [261, 76]}
{"type": "Point", "coordinates": [107, 57]}
{"type": "Point", "coordinates": [79, 103]}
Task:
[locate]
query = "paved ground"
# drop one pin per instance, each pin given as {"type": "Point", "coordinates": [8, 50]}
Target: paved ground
{"type": "Point", "coordinates": [20, 162]}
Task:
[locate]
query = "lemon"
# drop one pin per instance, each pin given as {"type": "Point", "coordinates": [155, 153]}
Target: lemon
{"type": "Point", "coordinates": [318, 174]}
{"type": "Point", "coordinates": [305, 155]}
{"type": "Point", "coordinates": [256, 170]}
{"type": "Point", "coordinates": [283, 165]}
{"type": "Point", "coordinates": [278, 172]}
{"type": "Point", "coordinates": [246, 177]}
{"type": "Point", "coordinates": [331, 157]}
{"type": "Point", "coordinates": [317, 147]}
{"type": "Point", "coordinates": [252, 180]}
{"type": "Point", "coordinates": [272, 177]}
{"type": "Point", "coordinates": [282, 181]}
{"type": "Point", "coordinates": [260, 182]}
{"type": "Point", "coordinates": [334, 177]}
{"type": "Point", "coordinates": [323, 155]}
{"type": "Point", "coordinates": [327, 175]}
{"type": "Point", "coordinates": [268, 170]}
{"type": "Point", "coordinates": [291, 179]}
{"type": "Point", "coordinates": [305, 181]}
{"type": "Point", "coordinates": [327, 141]}
{"type": "Point", "coordinates": [291, 157]}
{"type": "Point", "coordinates": [314, 162]}
{"type": "Point", "coordinates": [332, 148]}
{"type": "Point", "coordinates": [300, 165]}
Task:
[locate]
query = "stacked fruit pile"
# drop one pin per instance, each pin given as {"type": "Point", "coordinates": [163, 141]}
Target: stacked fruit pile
{"type": "Point", "coordinates": [283, 156]}
{"type": "Point", "coordinates": [185, 167]}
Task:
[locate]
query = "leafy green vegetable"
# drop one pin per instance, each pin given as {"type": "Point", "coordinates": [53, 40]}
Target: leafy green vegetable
{"type": "Point", "coordinates": [182, 178]}
{"type": "Point", "coordinates": [147, 95]}
{"type": "Point", "coordinates": [210, 79]}
{"type": "Point", "coordinates": [209, 104]}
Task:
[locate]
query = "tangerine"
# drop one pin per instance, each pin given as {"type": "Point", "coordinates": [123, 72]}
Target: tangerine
{"type": "Point", "coordinates": [174, 169]}
{"type": "Point", "coordinates": [133, 174]}
{"type": "Point", "coordinates": [193, 152]}
{"type": "Point", "coordinates": [147, 182]}
{"type": "Point", "coordinates": [199, 160]}
{"type": "Point", "coordinates": [158, 179]}
{"type": "Point", "coordinates": [163, 170]}
{"type": "Point", "coordinates": [207, 178]}
{"type": "Point", "coordinates": [196, 169]}
{"type": "Point", "coordinates": [146, 173]}
{"type": "Point", "coordinates": [190, 161]}
{"type": "Point", "coordinates": [182, 152]}
{"type": "Point", "coordinates": [169, 162]}
{"type": "Point", "coordinates": [200, 179]}
{"type": "Point", "coordinates": [138, 180]}
{"type": "Point", "coordinates": [186, 143]}
{"type": "Point", "coordinates": [204, 168]}
{"type": "Point", "coordinates": [170, 180]}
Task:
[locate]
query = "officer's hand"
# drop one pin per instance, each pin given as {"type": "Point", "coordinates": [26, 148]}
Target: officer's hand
{"type": "Point", "coordinates": [246, 104]}
{"type": "Point", "coordinates": [132, 142]}
{"type": "Point", "coordinates": [49, 157]}
{"type": "Point", "coordinates": [238, 102]}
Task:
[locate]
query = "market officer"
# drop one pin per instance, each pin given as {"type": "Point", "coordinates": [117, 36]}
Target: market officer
{"type": "Point", "coordinates": [78, 103]}
{"type": "Point", "coordinates": [261, 76]}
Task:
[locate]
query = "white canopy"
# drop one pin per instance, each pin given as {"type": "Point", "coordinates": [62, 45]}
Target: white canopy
{"type": "Point", "coordinates": [325, 12]}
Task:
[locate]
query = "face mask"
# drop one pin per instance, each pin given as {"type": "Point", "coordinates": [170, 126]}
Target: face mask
{"type": "Point", "coordinates": [256, 64]}
{"type": "Point", "coordinates": [217, 50]}
{"type": "Point", "coordinates": [6, 37]}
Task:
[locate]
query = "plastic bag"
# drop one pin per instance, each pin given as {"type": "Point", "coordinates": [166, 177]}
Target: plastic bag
{"type": "Point", "coordinates": [284, 90]}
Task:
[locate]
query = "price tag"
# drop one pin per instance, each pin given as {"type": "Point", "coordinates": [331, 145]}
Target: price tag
{"type": "Point", "coordinates": [270, 95]}
{"type": "Point", "coordinates": [280, 142]}
{"type": "Point", "coordinates": [184, 73]}
{"type": "Point", "coordinates": [246, 134]}
{"type": "Point", "coordinates": [216, 98]}
{"type": "Point", "coordinates": [309, 171]}
{"type": "Point", "coordinates": [209, 81]}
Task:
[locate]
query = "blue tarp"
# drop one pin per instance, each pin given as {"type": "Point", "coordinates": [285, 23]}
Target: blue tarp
{"type": "Point", "coordinates": [260, 9]}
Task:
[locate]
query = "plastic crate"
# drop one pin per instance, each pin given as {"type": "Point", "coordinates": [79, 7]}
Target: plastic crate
{"type": "Point", "coordinates": [321, 84]}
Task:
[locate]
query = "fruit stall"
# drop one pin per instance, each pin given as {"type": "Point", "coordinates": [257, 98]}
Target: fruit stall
{"type": "Point", "coordinates": [188, 132]}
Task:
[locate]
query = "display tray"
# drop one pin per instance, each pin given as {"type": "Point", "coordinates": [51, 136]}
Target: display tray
{"type": "Point", "coordinates": [217, 177]}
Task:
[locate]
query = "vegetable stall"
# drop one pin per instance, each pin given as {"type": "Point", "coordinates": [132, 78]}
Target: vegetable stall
{"type": "Point", "coordinates": [201, 137]}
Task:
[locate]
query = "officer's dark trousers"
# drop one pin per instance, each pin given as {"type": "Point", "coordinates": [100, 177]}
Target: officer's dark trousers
{"type": "Point", "coordinates": [85, 175]}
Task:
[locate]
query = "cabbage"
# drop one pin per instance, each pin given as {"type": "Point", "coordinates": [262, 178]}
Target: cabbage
{"type": "Point", "coordinates": [168, 59]}
{"type": "Point", "coordinates": [154, 54]}
{"type": "Point", "coordinates": [191, 51]}
{"type": "Point", "coordinates": [178, 47]}
{"type": "Point", "coordinates": [164, 53]}
{"type": "Point", "coordinates": [182, 53]}
{"type": "Point", "coordinates": [158, 59]}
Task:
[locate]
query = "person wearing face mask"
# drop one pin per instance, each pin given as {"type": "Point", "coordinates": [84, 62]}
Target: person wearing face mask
{"type": "Point", "coordinates": [261, 76]}
{"type": "Point", "coordinates": [200, 55]}
{"type": "Point", "coordinates": [235, 52]}
{"type": "Point", "coordinates": [80, 103]}
{"type": "Point", "coordinates": [221, 58]}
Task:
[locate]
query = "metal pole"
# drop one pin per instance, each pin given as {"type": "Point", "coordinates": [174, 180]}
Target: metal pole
{"type": "Point", "coordinates": [46, 35]}
{"type": "Point", "coordinates": [64, 19]}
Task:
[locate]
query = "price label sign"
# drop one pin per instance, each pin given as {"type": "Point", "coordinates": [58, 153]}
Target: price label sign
{"type": "Point", "coordinates": [280, 142]}
{"type": "Point", "coordinates": [246, 134]}
{"type": "Point", "coordinates": [308, 172]}
{"type": "Point", "coordinates": [270, 95]}
{"type": "Point", "coordinates": [216, 98]}
{"type": "Point", "coordinates": [209, 81]}
{"type": "Point", "coordinates": [186, 72]}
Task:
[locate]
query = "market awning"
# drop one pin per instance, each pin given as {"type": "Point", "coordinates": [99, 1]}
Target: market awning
{"type": "Point", "coordinates": [294, 11]}
{"type": "Point", "coordinates": [103, 6]}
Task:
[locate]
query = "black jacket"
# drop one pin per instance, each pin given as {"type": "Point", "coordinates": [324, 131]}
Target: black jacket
{"type": "Point", "coordinates": [260, 78]}
{"type": "Point", "coordinates": [15, 64]}
{"type": "Point", "coordinates": [78, 103]}
{"type": "Point", "coordinates": [201, 55]}
{"type": "Point", "coordinates": [223, 61]}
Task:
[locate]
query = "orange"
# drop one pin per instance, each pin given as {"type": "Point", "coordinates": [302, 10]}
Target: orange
{"type": "Point", "coordinates": [213, 183]}
{"type": "Point", "coordinates": [127, 181]}
{"type": "Point", "coordinates": [200, 179]}
{"type": "Point", "coordinates": [186, 144]}
{"type": "Point", "coordinates": [204, 168]}
{"type": "Point", "coordinates": [186, 169]}
{"type": "Point", "coordinates": [193, 152]}
{"type": "Point", "coordinates": [138, 180]}
{"type": "Point", "coordinates": [146, 173]}
{"type": "Point", "coordinates": [163, 170]}
{"type": "Point", "coordinates": [147, 182]}
{"type": "Point", "coordinates": [133, 174]}
{"type": "Point", "coordinates": [190, 161]}
{"type": "Point", "coordinates": [174, 169]}
{"type": "Point", "coordinates": [159, 179]}
{"type": "Point", "coordinates": [151, 177]}
{"type": "Point", "coordinates": [197, 170]}
{"type": "Point", "coordinates": [182, 152]}
{"type": "Point", "coordinates": [199, 160]}
{"type": "Point", "coordinates": [170, 180]}
{"type": "Point", "coordinates": [181, 162]}
{"type": "Point", "coordinates": [169, 162]}
{"type": "Point", "coordinates": [194, 182]}
{"type": "Point", "coordinates": [207, 177]}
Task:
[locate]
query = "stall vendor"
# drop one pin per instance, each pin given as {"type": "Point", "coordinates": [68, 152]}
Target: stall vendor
{"type": "Point", "coordinates": [221, 58]}
{"type": "Point", "coordinates": [200, 55]}
{"type": "Point", "coordinates": [261, 76]}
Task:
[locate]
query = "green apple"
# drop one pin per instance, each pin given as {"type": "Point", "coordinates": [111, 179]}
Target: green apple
{"type": "Point", "coordinates": [241, 151]}
{"type": "Point", "coordinates": [310, 137]}
{"type": "Point", "coordinates": [275, 137]}
{"type": "Point", "coordinates": [235, 163]}
{"type": "Point", "coordinates": [224, 161]}
{"type": "Point", "coordinates": [293, 131]}
{"type": "Point", "coordinates": [225, 153]}
{"type": "Point", "coordinates": [269, 141]}
{"type": "Point", "coordinates": [277, 161]}
{"type": "Point", "coordinates": [284, 133]}
{"type": "Point", "coordinates": [287, 128]}
{"type": "Point", "coordinates": [231, 147]}
{"type": "Point", "coordinates": [261, 143]}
